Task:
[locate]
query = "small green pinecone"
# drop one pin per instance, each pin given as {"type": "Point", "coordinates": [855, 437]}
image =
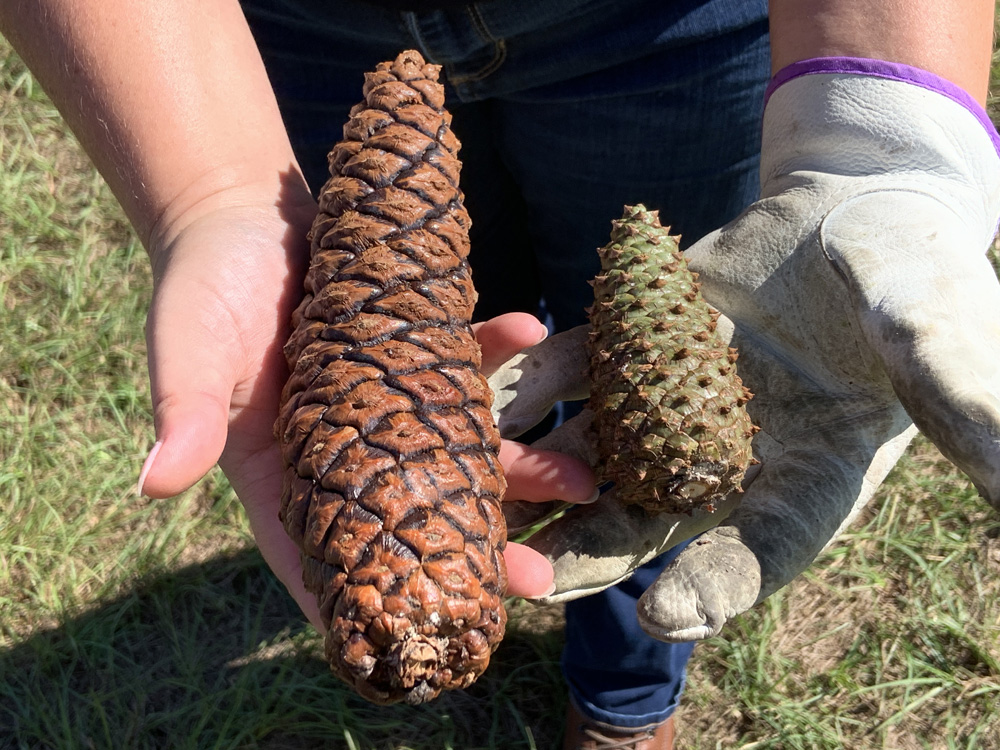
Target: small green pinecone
{"type": "Point", "coordinates": [671, 428]}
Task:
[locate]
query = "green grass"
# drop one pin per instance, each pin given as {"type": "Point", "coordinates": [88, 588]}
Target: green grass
{"type": "Point", "coordinates": [132, 623]}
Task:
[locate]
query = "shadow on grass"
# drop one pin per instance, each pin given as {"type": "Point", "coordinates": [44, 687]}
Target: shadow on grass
{"type": "Point", "coordinates": [216, 655]}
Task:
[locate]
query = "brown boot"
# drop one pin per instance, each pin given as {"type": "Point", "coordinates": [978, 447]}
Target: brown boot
{"type": "Point", "coordinates": [585, 734]}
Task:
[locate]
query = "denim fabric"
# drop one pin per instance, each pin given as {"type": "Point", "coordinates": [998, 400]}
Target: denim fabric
{"type": "Point", "coordinates": [618, 675]}
{"type": "Point", "coordinates": [566, 109]}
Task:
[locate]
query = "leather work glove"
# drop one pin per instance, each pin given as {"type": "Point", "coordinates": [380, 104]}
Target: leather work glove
{"type": "Point", "coordinates": [861, 301]}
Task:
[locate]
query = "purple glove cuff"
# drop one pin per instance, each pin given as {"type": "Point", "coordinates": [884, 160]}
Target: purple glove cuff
{"type": "Point", "coordinates": [890, 70]}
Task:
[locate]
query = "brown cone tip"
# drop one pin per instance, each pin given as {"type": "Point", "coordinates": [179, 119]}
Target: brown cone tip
{"type": "Point", "coordinates": [392, 484]}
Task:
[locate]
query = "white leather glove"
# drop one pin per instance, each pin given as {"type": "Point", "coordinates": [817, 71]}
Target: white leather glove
{"type": "Point", "coordinates": [861, 301]}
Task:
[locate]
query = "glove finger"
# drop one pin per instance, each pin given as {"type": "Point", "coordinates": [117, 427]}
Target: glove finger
{"type": "Point", "coordinates": [528, 385]}
{"type": "Point", "coordinates": [800, 501]}
{"type": "Point", "coordinates": [595, 546]}
{"type": "Point", "coordinates": [938, 334]}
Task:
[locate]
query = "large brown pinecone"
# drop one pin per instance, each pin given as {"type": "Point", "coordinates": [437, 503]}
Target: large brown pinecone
{"type": "Point", "coordinates": [392, 483]}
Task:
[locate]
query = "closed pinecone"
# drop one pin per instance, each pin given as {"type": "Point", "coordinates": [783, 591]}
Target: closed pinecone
{"type": "Point", "coordinates": [392, 483]}
{"type": "Point", "coordinates": [671, 428]}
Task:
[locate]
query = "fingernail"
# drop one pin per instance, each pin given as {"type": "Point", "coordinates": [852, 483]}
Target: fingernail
{"type": "Point", "coordinates": [147, 465]}
{"type": "Point", "coordinates": [545, 335]}
{"type": "Point", "coordinates": [548, 592]}
{"type": "Point", "coordinates": [592, 499]}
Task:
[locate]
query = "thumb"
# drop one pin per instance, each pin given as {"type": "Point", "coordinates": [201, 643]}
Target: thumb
{"type": "Point", "coordinates": [191, 395]}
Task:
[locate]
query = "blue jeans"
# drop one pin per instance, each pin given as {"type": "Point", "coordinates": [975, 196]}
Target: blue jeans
{"type": "Point", "coordinates": [567, 110]}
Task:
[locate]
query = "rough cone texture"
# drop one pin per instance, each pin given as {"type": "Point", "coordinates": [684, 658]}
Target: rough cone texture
{"type": "Point", "coordinates": [670, 425]}
{"type": "Point", "coordinates": [392, 483]}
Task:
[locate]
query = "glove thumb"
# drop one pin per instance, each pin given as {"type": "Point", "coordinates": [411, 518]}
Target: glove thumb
{"type": "Point", "coordinates": [939, 334]}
